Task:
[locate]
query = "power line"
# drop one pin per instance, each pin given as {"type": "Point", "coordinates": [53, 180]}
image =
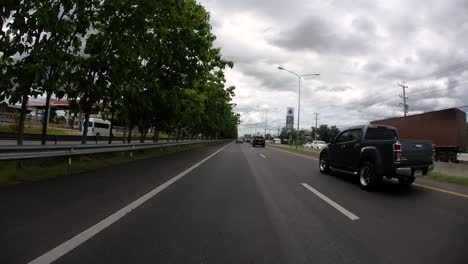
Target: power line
{"type": "Point", "coordinates": [442, 73]}
{"type": "Point", "coordinates": [428, 90]}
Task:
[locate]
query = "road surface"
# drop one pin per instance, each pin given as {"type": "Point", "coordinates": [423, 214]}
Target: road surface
{"type": "Point", "coordinates": [229, 204]}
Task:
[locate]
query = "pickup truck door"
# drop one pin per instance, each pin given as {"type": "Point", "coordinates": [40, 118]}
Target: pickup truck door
{"type": "Point", "coordinates": [336, 150]}
{"type": "Point", "coordinates": [352, 149]}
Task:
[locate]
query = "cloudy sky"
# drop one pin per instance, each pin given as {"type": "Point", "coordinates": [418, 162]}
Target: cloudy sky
{"type": "Point", "coordinates": [362, 50]}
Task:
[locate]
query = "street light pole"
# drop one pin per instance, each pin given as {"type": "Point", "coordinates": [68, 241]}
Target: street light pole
{"type": "Point", "coordinates": [266, 116]}
{"type": "Point", "coordinates": [299, 76]}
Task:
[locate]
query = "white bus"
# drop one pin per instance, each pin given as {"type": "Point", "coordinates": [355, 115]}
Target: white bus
{"type": "Point", "coordinates": [97, 127]}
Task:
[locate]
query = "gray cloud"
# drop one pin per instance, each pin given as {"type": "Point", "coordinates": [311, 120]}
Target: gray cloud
{"type": "Point", "coordinates": [319, 35]}
{"type": "Point", "coordinates": [362, 49]}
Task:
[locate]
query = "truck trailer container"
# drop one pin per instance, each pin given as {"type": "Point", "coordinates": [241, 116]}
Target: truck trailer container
{"type": "Point", "coordinates": [445, 128]}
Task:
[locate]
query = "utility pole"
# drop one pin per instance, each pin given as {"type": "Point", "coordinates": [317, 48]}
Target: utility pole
{"type": "Point", "coordinates": [405, 106]}
{"type": "Point", "coordinates": [316, 124]}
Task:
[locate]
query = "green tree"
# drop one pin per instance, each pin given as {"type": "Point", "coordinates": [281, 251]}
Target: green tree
{"type": "Point", "coordinates": [326, 133]}
{"type": "Point", "coordinates": [20, 60]}
{"type": "Point", "coordinates": [145, 63]}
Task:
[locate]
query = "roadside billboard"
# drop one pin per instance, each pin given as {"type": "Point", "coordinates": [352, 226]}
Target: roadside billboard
{"type": "Point", "coordinates": [289, 118]}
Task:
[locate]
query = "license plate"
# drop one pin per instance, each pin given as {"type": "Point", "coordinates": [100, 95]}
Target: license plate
{"type": "Point", "coordinates": [417, 173]}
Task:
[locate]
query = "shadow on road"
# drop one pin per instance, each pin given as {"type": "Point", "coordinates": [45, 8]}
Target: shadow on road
{"type": "Point", "coordinates": [387, 188]}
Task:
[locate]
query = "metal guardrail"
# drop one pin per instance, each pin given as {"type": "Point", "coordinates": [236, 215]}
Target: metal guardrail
{"type": "Point", "coordinates": [72, 138]}
{"type": "Point", "coordinates": [9, 153]}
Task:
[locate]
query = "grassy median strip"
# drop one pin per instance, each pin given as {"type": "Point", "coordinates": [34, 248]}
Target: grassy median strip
{"type": "Point", "coordinates": [12, 172]}
{"type": "Point", "coordinates": [447, 178]}
{"type": "Point", "coordinates": [300, 150]}
{"type": "Point", "coordinates": [38, 130]}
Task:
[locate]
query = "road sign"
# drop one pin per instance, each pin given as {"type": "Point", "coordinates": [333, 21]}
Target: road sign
{"type": "Point", "coordinates": [289, 118]}
{"type": "Point", "coordinates": [290, 111]}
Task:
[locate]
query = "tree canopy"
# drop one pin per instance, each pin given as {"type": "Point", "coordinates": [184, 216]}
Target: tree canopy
{"type": "Point", "coordinates": [145, 64]}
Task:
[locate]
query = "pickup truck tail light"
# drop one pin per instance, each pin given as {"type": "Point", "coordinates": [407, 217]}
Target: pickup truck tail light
{"type": "Point", "coordinates": [396, 152]}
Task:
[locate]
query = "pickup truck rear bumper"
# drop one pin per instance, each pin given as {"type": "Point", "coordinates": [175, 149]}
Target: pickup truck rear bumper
{"type": "Point", "coordinates": [408, 171]}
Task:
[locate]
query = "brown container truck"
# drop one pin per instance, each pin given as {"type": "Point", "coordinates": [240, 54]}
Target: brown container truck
{"type": "Point", "coordinates": [445, 128]}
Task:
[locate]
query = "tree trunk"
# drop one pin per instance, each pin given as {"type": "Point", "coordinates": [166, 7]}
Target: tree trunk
{"type": "Point", "coordinates": [142, 136]}
{"type": "Point", "coordinates": [156, 133]}
{"type": "Point", "coordinates": [111, 135]}
{"type": "Point", "coordinates": [88, 107]}
{"type": "Point", "coordinates": [129, 139]}
{"type": "Point", "coordinates": [20, 136]}
{"type": "Point", "coordinates": [46, 118]}
{"type": "Point", "coordinates": [84, 137]}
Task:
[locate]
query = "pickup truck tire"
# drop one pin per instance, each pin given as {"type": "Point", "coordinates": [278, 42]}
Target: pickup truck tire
{"type": "Point", "coordinates": [368, 178]}
{"type": "Point", "coordinates": [406, 181]}
{"type": "Point", "coordinates": [324, 166]}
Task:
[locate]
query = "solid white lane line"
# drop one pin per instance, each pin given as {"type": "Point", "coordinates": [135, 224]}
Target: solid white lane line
{"type": "Point", "coordinates": [74, 242]}
{"type": "Point", "coordinates": [331, 202]}
{"type": "Point", "coordinates": [263, 156]}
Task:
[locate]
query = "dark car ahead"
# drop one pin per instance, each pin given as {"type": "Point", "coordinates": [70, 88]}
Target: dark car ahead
{"type": "Point", "coordinates": [376, 151]}
{"type": "Point", "coordinates": [258, 141]}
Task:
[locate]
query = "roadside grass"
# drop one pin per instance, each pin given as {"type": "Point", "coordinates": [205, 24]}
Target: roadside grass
{"type": "Point", "coordinates": [37, 130]}
{"type": "Point", "coordinates": [299, 150]}
{"type": "Point", "coordinates": [55, 131]}
{"type": "Point", "coordinates": [37, 170]}
{"type": "Point", "coordinates": [447, 178]}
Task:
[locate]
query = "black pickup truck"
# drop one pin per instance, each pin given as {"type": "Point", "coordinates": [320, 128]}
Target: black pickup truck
{"type": "Point", "coordinates": [376, 151]}
{"type": "Point", "coordinates": [258, 141]}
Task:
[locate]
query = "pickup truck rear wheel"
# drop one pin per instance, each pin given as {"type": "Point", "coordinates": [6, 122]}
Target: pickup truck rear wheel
{"type": "Point", "coordinates": [323, 164]}
{"type": "Point", "coordinates": [368, 179]}
{"type": "Point", "coordinates": [406, 181]}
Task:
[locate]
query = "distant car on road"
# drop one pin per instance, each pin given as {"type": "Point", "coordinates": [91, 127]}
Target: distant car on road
{"type": "Point", "coordinates": [277, 141]}
{"type": "Point", "coordinates": [376, 151]}
{"type": "Point", "coordinates": [258, 141]}
{"type": "Point", "coordinates": [318, 144]}
{"type": "Point", "coordinates": [239, 140]}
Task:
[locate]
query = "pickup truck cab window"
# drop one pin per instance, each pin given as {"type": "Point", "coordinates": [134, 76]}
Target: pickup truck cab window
{"type": "Point", "coordinates": [381, 133]}
{"type": "Point", "coordinates": [343, 137]}
{"type": "Point", "coordinates": [356, 134]}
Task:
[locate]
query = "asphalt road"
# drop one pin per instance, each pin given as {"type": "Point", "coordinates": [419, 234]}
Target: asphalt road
{"type": "Point", "coordinates": [242, 205]}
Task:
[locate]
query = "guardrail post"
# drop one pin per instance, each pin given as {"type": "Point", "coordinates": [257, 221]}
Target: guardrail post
{"type": "Point", "coordinates": [55, 139]}
{"type": "Point", "coordinates": [131, 151]}
{"type": "Point", "coordinates": [96, 138]}
{"type": "Point", "coordinates": [69, 163]}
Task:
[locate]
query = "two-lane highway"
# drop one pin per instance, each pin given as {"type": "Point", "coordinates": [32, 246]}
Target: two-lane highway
{"type": "Point", "coordinates": [231, 204]}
